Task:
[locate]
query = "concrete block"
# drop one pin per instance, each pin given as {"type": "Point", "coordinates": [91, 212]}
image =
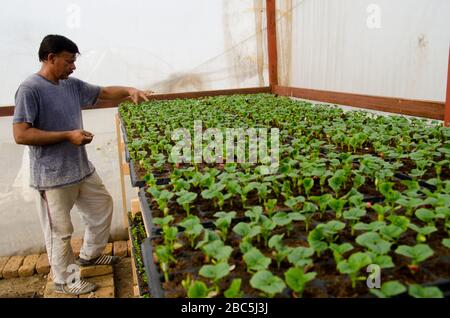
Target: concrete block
{"type": "Point", "coordinates": [11, 269]}
{"type": "Point", "coordinates": [42, 265]}
{"type": "Point", "coordinates": [29, 265]}
{"type": "Point", "coordinates": [120, 248]}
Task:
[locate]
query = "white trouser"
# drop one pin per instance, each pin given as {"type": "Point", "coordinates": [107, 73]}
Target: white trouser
{"type": "Point", "coordinates": [96, 208]}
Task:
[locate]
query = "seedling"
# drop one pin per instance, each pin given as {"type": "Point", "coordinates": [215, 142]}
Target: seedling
{"type": "Point", "coordinates": [247, 231]}
{"type": "Point", "coordinates": [266, 282]}
{"type": "Point", "coordinates": [322, 201]}
{"type": "Point", "coordinates": [256, 261]}
{"type": "Point", "coordinates": [353, 265]}
{"type": "Point", "coordinates": [389, 289]}
{"type": "Point", "coordinates": [353, 215]}
{"type": "Point", "coordinates": [185, 199]}
{"type": "Point", "coordinates": [198, 289]}
{"type": "Point", "coordinates": [165, 256]}
{"type": "Point", "coordinates": [422, 232]}
{"type": "Point", "coordinates": [381, 211]}
{"type": "Point", "coordinates": [215, 272]}
{"type": "Point", "coordinates": [223, 222]}
{"type": "Point", "coordinates": [337, 205]}
{"type": "Point", "coordinates": [300, 256]}
{"type": "Point", "coordinates": [269, 206]}
{"type": "Point", "coordinates": [234, 291]}
{"type": "Point", "coordinates": [340, 250]}
{"type": "Point", "coordinates": [418, 291]}
{"type": "Point", "coordinates": [193, 228]}
{"type": "Point", "coordinates": [162, 198]}
{"type": "Point", "coordinates": [286, 219]}
{"type": "Point", "coordinates": [217, 251]}
{"type": "Point", "coordinates": [297, 279]}
{"type": "Point", "coordinates": [281, 251]}
{"type": "Point", "coordinates": [417, 254]}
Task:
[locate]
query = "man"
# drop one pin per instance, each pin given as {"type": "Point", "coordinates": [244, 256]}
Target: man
{"type": "Point", "coordinates": [47, 118]}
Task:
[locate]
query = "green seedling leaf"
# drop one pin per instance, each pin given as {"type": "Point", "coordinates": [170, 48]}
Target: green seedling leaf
{"type": "Point", "coordinates": [256, 261]}
{"type": "Point", "coordinates": [234, 291]}
{"type": "Point", "coordinates": [374, 243]}
{"type": "Point", "coordinates": [267, 283]}
{"type": "Point", "coordinates": [300, 256]}
{"type": "Point", "coordinates": [215, 272]}
{"type": "Point", "coordinates": [417, 253]}
{"type": "Point", "coordinates": [198, 289]}
{"type": "Point", "coordinates": [245, 230]}
{"type": "Point", "coordinates": [446, 243]}
{"type": "Point", "coordinates": [217, 250]}
{"type": "Point", "coordinates": [340, 250]}
{"type": "Point", "coordinates": [296, 279]}
{"type": "Point", "coordinates": [418, 291]}
{"type": "Point", "coordinates": [389, 289]}
{"type": "Point", "coordinates": [391, 232]}
{"type": "Point", "coordinates": [373, 226]}
{"type": "Point", "coordinates": [293, 203]}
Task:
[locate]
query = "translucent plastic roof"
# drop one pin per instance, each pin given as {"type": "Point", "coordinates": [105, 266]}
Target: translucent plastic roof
{"type": "Point", "coordinates": [168, 46]}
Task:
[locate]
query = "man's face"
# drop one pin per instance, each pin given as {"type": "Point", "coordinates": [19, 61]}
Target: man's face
{"type": "Point", "coordinates": [63, 64]}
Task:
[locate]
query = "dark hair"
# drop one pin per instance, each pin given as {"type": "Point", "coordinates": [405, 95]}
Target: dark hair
{"type": "Point", "coordinates": [56, 44]}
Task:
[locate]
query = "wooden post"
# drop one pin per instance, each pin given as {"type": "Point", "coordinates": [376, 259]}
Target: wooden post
{"type": "Point", "coordinates": [447, 99]}
{"type": "Point", "coordinates": [122, 181]}
{"type": "Point", "coordinates": [272, 42]}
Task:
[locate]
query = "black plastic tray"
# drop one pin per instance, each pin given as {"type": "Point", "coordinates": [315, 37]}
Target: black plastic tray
{"type": "Point", "coordinates": [141, 183]}
{"type": "Point", "coordinates": [153, 276]}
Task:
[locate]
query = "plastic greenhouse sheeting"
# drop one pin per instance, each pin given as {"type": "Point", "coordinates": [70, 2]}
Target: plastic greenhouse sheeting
{"type": "Point", "coordinates": [166, 46]}
{"type": "Point", "coordinates": [383, 48]}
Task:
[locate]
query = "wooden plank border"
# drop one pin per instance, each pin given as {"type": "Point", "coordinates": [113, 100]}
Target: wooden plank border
{"type": "Point", "coordinates": [120, 147]}
{"type": "Point", "coordinates": [428, 109]}
{"type": "Point", "coordinates": [6, 111]}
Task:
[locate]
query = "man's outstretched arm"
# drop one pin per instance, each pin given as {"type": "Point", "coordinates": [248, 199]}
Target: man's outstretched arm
{"type": "Point", "coordinates": [121, 92]}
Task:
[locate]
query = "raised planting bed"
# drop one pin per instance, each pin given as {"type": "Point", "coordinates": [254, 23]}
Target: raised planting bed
{"type": "Point", "coordinates": [353, 191]}
{"type": "Point", "coordinates": [202, 265]}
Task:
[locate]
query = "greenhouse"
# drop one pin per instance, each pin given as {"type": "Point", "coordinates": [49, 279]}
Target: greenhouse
{"type": "Point", "coordinates": [248, 149]}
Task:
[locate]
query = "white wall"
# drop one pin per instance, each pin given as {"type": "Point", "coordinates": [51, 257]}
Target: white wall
{"type": "Point", "coordinates": [334, 48]}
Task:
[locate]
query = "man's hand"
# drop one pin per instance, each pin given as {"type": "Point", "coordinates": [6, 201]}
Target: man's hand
{"type": "Point", "coordinates": [136, 95]}
{"type": "Point", "coordinates": [121, 92]}
{"type": "Point", "coordinates": [80, 137]}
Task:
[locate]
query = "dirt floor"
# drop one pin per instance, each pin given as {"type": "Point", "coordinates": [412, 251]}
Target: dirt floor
{"type": "Point", "coordinates": [33, 287]}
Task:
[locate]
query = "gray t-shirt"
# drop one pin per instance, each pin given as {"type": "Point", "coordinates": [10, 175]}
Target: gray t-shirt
{"type": "Point", "coordinates": [55, 107]}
